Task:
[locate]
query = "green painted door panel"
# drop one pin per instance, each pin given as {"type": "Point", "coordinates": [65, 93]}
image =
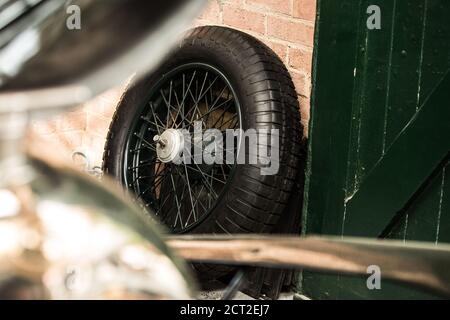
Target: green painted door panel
{"type": "Point", "coordinates": [404, 167]}
{"type": "Point", "coordinates": [378, 154]}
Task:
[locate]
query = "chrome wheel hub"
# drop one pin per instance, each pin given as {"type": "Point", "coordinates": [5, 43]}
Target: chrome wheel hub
{"type": "Point", "coordinates": [169, 145]}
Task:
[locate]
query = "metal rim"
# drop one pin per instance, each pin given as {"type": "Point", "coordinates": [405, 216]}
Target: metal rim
{"type": "Point", "coordinates": [181, 196]}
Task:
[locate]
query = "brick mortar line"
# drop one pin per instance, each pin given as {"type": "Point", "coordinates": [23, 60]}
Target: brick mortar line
{"type": "Point", "coordinates": [256, 9]}
{"type": "Point", "coordinates": [290, 44]}
{"type": "Point", "coordinates": [265, 8]}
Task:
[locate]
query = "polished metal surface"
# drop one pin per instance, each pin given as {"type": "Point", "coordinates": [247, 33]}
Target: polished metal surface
{"type": "Point", "coordinates": [63, 234]}
{"type": "Point", "coordinates": [420, 265]}
{"type": "Point", "coordinates": [170, 145]}
{"type": "Point", "coordinates": [116, 39]}
{"type": "Point", "coordinates": [11, 10]}
{"type": "Point", "coordinates": [68, 236]}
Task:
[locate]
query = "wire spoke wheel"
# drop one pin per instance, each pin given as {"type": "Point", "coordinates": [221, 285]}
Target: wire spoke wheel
{"type": "Point", "coordinates": [218, 78]}
{"type": "Point", "coordinates": [182, 195]}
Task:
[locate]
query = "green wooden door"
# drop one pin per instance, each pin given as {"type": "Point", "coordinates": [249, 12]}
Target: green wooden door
{"type": "Point", "coordinates": [378, 158]}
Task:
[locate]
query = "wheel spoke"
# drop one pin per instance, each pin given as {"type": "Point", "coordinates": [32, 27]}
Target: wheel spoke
{"type": "Point", "coordinates": [169, 107]}
{"type": "Point", "coordinates": [201, 97]}
{"type": "Point", "coordinates": [208, 175]}
{"type": "Point", "coordinates": [176, 199]}
{"type": "Point", "coordinates": [203, 175]}
{"type": "Point", "coordinates": [181, 195]}
{"type": "Point", "coordinates": [152, 123]}
{"type": "Point", "coordinates": [161, 205]}
{"type": "Point", "coordinates": [234, 117]}
{"type": "Point", "coordinates": [189, 187]}
{"type": "Point", "coordinates": [192, 212]}
{"type": "Point", "coordinates": [142, 165]}
{"type": "Point", "coordinates": [211, 110]}
{"type": "Point", "coordinates": [147, 143]}
{"type": "Point", "coordinates": [155, 116]}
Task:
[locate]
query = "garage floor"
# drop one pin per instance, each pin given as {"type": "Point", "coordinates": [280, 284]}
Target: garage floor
{"type": "Point", "coordinates": [217, 293]}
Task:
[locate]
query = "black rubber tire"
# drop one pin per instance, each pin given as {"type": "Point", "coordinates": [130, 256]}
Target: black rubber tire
{"type": "Point", "coordinates": [253, 203]}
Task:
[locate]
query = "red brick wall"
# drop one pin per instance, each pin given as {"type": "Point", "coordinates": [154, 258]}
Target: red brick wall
{"type": "Point", "coordinates": [83, 129]}
{"type": "Point", "coordinates": [287, 26]}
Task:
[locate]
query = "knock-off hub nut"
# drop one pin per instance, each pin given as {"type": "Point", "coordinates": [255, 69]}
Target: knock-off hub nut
{"type": "Point", "coordinates": [169, 145]}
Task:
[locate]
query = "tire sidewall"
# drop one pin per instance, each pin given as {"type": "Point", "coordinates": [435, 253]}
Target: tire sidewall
{"type": "Point", "coordinates": [226, 56]}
